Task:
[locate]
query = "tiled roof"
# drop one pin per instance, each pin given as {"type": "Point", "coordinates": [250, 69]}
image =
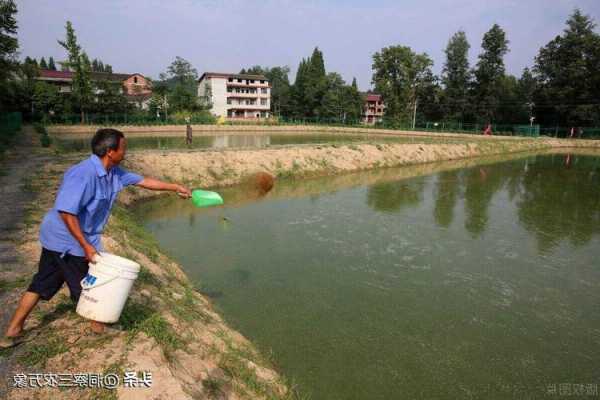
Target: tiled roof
{"type": "Point", "coordinates": [236, 76]}
{"type": "Point", "coordinates": [373, 97]}
{"type": "Point", "coordinates": [97, 76]}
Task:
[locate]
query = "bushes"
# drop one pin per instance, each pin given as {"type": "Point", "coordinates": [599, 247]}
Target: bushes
{"type": "Point", "coordinates": [45, 140]}
{"type": "Point", "coordinates": [10, 126]}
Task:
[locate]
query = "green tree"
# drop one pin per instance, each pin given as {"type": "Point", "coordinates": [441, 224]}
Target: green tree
{"type": "Point", "coordinates": [353, 102]}
{"type": "Point", "coordinates": [299, 108]}
{"type": "Point", "coordinates": [254, 70]}
{"type": "Point", "coordinates": [527, 89]}
{"type": "Point", "coordinates": [512, 107]}
{"type": "Point", "coordinates": [111, 99]}
{"type": "Point", "coordinates": [316, 84]}
{"type": "Point", "coordinates": [332, 104]}
{"type": "Point", "coordinates": [95, 66]}
{"type": "Point", "coordinates": [181, 86]}
{"type": "Point", "coordinates": [456, 77]}
{"type": "Point", "coordinates": [45, 97]}
{"type": "Point", "coordinates": [280, 89]}
{"type": "Point", "coordinates": [8, 39]}
{"type": "Point", "coordinates": [108, 68]}
{"type": "Point", "coordinates": [489, 73]}
{"type": "Point", "coordinates": [430, 98]}
{"type": "Point", "coordinates": [567, 72]}
{"type": "Point", "coordinates": [51, 65]}
{"type": "Point", "coordinates": [79, 63]}
{"type": "Point", "coordinates": [43, 64]}
{"type": "Point", "coordinates": [24, 87]}
{"type": "Point", "coordinates": [399, 75]}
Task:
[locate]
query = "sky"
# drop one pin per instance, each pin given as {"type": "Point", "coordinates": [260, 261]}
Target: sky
{"type": "Point", "coordinates": [145, 36]}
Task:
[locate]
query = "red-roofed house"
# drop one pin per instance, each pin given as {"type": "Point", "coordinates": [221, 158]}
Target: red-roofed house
{"type": "Point", "coordinates": [135, 87]}
{"type": "Point", "coordinates": [373, 109]}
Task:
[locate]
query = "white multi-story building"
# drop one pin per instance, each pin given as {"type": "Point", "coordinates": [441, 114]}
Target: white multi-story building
{"type": "Point", "coordinates": [236, 95]}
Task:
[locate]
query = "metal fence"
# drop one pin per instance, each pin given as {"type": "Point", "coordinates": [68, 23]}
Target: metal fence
{"type": "Point", "coordinates": [427, 126]}
{"type": "Point", "coordinates": [125, 119]}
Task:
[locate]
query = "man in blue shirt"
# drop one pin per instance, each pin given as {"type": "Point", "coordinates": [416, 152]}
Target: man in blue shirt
{"type": "Point", "coordinates": [70, 232]}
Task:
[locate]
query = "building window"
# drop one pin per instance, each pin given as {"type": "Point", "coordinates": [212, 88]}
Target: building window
{"type": "Point", "coordinates": [251, 80]}
{"type": "Point", "coordinates": [239, 81]}
{"type": "Point", "coordinates": [230, 80]}
{"type": "Point", "coordinates": [135, 79]}
{"type": "Point", "coordinates": [228, 101]}
{"type": "Point", "coordinates": [263, 102]}
{"type": "Point", "coordinates": [263, 90]}
{"type": "Point", "coordinates": [262, 81]}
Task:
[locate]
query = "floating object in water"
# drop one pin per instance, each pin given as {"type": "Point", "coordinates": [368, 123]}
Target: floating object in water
{"type": "Point", "coordinates": [205, 198]}
{"type": "Point", "coordinates": [264, 181]}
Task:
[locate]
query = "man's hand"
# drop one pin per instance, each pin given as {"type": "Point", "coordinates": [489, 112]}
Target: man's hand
{"type": "Point", "coordinates": [154, 184]}
{"type": "Point", "coordinates": [90, 253]}
{"type": "Point", "coordinates": [183, 192]}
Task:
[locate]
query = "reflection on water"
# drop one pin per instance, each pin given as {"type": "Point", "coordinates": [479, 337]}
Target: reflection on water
{"type": "Point", "coordinates": [436, 281]}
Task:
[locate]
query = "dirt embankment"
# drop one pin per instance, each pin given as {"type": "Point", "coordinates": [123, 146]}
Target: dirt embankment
{"type": "Point", "coordinates": [230, 167]}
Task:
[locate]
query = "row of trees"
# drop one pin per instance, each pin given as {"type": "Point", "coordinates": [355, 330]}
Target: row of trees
{"type": "Point", "coordinates": [314, 94]}
{"type": "Point", "coordinates": [20, 91]}
{"type": "Point", "coordinates": [560, 89]}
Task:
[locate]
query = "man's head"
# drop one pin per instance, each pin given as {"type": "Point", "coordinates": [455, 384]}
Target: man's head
{"type": "Point", "coordinates": [109, 143]}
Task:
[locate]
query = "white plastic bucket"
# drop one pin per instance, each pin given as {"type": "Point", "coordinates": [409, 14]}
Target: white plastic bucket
{"type": "Point", "coordinates": [106, 287]}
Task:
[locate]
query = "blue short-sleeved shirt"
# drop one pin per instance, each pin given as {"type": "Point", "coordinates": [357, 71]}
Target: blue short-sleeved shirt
{"type": "Point", "coordinates": [89, 192]}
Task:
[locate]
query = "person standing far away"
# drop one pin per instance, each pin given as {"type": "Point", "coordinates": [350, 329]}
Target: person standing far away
{"type": "Point", "coordinates": [572, 133]}
{"type": "Point", "coordinates": [188, 131]}
{"type": "Point", "coordinates": [488, 130]}
{"type": "Point", "coordinates": [70, 232]}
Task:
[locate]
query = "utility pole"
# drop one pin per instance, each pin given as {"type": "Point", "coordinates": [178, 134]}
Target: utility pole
{"type": "Point", "coordinates": [414, 122]}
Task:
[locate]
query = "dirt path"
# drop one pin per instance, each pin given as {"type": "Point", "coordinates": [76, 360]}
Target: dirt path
{"type": "Point", "coordinates": [18, 166]}
{"type": "Point", "coordinates": [20, 163]}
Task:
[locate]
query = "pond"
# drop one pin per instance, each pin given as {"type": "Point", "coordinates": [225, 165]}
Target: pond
{"type": "Point", "coordinates": [77, 144]}
{"type": "Point", "coordinates": [475, 282]}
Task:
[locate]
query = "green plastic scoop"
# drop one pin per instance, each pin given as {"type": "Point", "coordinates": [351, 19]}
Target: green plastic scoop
{"type": "Point", "coordinates": [205, 198]}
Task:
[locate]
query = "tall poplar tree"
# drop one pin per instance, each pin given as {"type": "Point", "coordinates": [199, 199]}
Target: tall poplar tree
{"type": "Point", "coordinates": [456, 77]}
{"type": "Point", "coordinates": [567, 73]}
{"type": "Point", "coordinates": [51, 64]}
{"type": "Point", "coordinates": [79, 63]}
{"type": "Point", "coordinates": [489, 73]}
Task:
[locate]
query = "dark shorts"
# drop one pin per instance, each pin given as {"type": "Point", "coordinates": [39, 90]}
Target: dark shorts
{"type": "Point", "coordinates": [55, 270]}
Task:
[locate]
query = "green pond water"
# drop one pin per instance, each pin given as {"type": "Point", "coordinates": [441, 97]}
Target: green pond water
{"type": "Point", "coordinates": [245, 141]}
{"type": "Point", "coordinates": [477, 282]}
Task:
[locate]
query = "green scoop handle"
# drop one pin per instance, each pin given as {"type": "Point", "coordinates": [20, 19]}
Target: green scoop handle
{"type": "Point", "coordinates": [205, 198]}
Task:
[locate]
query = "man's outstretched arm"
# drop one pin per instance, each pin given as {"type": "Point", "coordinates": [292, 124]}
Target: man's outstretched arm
{"type": "Point", "coordinates": [155, 184]}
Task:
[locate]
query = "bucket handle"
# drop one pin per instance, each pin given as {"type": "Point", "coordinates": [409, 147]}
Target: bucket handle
{"type": "Point", "coordinates": [89, 282]}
